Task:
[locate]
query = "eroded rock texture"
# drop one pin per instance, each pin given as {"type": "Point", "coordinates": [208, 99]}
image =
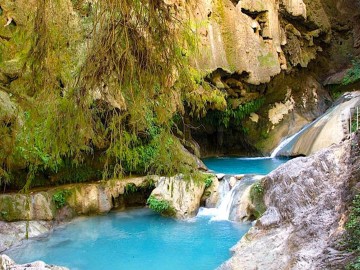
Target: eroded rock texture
{"type": "Point", "coordinates": [306, 199]}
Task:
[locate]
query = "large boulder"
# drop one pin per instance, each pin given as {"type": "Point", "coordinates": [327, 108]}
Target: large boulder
{"type": "Point", "coordinates": [183, 195]}
{"type": "Point", "coordinates": [305, 200]}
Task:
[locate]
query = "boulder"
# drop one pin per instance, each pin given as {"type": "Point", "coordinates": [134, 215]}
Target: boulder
{"type": "Point", "coordinates": [7, 263]}
{"type": "Point", "coordinates": [212, 194]}
{"type": "Point", "coordinates": [183, 195]}
{"type": "Point", "coordinates": [305, 200]}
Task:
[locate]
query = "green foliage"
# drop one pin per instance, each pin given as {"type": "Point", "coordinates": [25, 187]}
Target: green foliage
{"type": "Point", "coordinates": [353, 74]}
{"type": "Point", "coordinates": [130, 188]}
{"type": "Point", "coordinates": [352, 237]}
{"type": "Point", "coordinates": [118, 96]}
{"type": "Point", "coordinates": [208, 181]}
{"type": "Point", "coordinates": [336, 91]}
{"type": "Point", "coordinates": [257, 199]}
{"type": "Point", "coordinates": [233, 116]}
{"type": "Point", "coordinates": [160, 206]}
{"type": "Point", "coordinates": [60, 198]}
{"type": "Point", "coordinates": [258, 188]}
{"type": "Point", "coordinates": [355, 265]}
{"type": "Point", "coordinates": [149, 184]}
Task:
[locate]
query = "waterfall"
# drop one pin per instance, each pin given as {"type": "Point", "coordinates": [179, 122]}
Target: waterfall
{"type": "Point", "coordinates": [223, 210]}
{"type": "Point", "coordinates": [326, 130]}
{"type": "Point", "coordinates": [229, 198]}
{"type": "Point", "coordinates": [283, 143]}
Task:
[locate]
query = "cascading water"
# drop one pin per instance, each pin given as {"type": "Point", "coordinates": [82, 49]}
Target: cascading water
{"type": "Point", "coordinates": [327, 129]}
{"type": "Point", "coordinates": [230, 199]}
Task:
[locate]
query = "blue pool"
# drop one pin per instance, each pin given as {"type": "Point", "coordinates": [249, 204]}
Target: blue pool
{"type": "Point", "coordinates": [233, 165]}
{"type": "Point", "coordinates": [135, 239]}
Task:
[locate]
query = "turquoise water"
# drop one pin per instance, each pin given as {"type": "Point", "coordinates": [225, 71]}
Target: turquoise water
{"type": "Point", "coordinates": [232, 165]}
{"type": "Point", "coordinates": [136, 239]}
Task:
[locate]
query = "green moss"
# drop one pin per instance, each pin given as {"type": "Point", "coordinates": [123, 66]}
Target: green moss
{"type": "Point", "coordinates": [257, 199]}
{"type": "Point", "coordinates": [13, 207]}
{"type": "Point", "coordinates": [353, 74]}
{"type": "Point", "coordinates": [233, 117]}
{"type": "Point", "coordinates": [141, 87]}
{"type": "Point", "coordinates": [352, 236]}
{"type": "Point", "coordinates": [130, 188]}
{"type": "Point", "coordinates": [268, 60]}
{"type": "Point", "coordinates": [60, 198]}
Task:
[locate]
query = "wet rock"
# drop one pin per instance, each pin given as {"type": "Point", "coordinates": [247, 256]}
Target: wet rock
{"type": "Point", "coordinates": [329, 129]}
{"type": "Point", "coordinates": [7, 263]}
{"type": "Point", "coordinates": [12, 233]}
{"type": "Point", "coordinates": [304, 198]}
{"type": "Point", "coordinates": [212, 199]}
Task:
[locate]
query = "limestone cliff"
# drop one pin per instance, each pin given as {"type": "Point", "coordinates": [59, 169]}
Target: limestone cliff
{"type": "Point", "coordinates": [280, 50]}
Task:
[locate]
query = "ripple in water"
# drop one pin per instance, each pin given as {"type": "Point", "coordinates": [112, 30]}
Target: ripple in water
{"type": "Point", "coordinates": [233, 165]}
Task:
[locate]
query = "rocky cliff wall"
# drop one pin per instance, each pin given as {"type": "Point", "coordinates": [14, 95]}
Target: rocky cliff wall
{"type": "Point", "coordinates": [280, 50]}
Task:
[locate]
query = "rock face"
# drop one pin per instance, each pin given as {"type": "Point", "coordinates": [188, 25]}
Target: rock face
{"type": "Point", "coordinates": [305, 199]}
{"type": "Point", "coordinates": [81, 199]}
{"type": "Point", "coordinates": [7, 263]}
{"type": "Point", "coordinates": [184, 196]}
{"type": "Point", "coordinates": [231, 26]}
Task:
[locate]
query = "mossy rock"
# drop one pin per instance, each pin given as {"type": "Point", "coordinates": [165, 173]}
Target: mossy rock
{"type": "Point", "coordinates": [257, 193]}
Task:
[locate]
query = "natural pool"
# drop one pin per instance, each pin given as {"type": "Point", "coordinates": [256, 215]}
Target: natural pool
{"type": "Point", "coordinates": [135, 239]}
{"type": "Point", "coordinates": [142, 239]}
{"type": "Point", "coordinates": [234, 165]}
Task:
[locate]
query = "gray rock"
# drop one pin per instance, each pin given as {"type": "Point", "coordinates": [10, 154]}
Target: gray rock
{"type": "Point", "coordinates": [303, 198]}
{"type": "Point", "coordinates": [7, 263]}
{"type": "Point", "coordinates": [12, 233]}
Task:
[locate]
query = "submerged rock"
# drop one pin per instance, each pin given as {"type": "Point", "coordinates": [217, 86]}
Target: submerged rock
{"type": "Point", "coordinates": [184, 196]}
{"type": "Point", "coordinates": [12, 233]}
{"type": "Point", "coordinates": [7, 263]}
{"type": "Point", "coordinates": [305, 201]}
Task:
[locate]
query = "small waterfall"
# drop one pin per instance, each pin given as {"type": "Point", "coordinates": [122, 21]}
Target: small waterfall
{"type": "Point", "coordinates": [224, 189]}
{"type": "Point", "coordinates": [283, 144]}
{"type": "Point", "coordinates": [322, 132]}
{"type": "Point", "coordinates": [229, 197]}
{"type": "Point", "coordinates": [223, 210]}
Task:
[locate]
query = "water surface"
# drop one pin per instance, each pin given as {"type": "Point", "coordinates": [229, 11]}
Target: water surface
{"type": "Point", "coordinates": [136, 239]}
{"type": "Point", "coordinates": [233, 165]}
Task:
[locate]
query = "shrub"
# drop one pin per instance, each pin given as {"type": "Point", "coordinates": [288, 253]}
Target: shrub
{"type": "Point", "coordinates": [208, 181]}
{"type": "Point", "coordinates": [257, 199]}
{"type": "Point", "coordinates": [352, 237]}
{"type": "Point", "coordinates": [60, 198]}
{"type": "Point", "coordinates": [353, 74]}
{"type": "Point", "coordinates": [160, 206]}
{"type": "Point", "coordinates": [130, 188]}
